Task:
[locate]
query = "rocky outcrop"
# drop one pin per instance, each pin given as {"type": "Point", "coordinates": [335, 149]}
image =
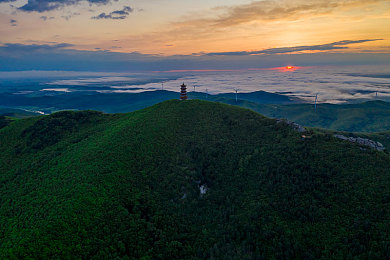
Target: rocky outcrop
{"type": "Point", "coordinates": [294, 125]}
{"type": "Point", "coordinates": [362, 141]}
{"type": "Point", "coordinates": [203, 189]}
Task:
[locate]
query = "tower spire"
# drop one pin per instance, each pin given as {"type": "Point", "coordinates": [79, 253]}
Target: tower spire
{"type": "Point", "coordinates": [183, 92]}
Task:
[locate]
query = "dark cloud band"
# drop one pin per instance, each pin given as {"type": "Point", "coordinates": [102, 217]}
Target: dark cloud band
{"type": "Point", "coordinates": [23, 48]}
{"type": "Point", "coordinates": [64, 56]}
{"type": "Point", "coordinates": [115, 15]}
{"type": "Point", "coordinates": [322, 47]}
{"type": "Point", "coordinates": [13, 22]}
{"type": "Point", "coordinates": [48, 5]}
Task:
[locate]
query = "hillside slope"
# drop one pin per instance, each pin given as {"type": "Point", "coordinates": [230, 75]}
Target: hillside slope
{"type": "Point", "coordinates": [372, 116]}
{"type": "Point", "coordinates": [187, 180]}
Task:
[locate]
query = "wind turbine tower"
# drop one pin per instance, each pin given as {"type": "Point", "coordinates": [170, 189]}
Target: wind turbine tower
{"type": "Point", "coordinates": [236, 95]}
{"type": "Point", "coordinates": [315, 103]}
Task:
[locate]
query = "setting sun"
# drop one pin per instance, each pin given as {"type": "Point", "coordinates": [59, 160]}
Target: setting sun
{"type": "Point", "coordinates": [289, 68]}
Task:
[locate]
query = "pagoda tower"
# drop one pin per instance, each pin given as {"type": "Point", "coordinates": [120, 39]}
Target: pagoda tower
{"type": "Point", "coordinates": [183, 92]}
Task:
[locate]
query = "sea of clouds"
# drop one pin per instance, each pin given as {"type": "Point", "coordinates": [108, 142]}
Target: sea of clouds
{"type": "Point", "coordinates": [331, 84]}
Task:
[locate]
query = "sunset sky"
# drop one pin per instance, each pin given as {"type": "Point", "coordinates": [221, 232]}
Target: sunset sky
{"type": "Point", "coordinates": [211, 28]}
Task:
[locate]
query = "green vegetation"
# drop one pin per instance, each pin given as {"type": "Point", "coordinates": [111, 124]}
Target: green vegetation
{"type": "Point", "coordinates": [373, 116]}
{"type": "Point", "coordinates": [16, 113]}
{"type": "Point", "coordinates": [4, 121]}
{"type": "Point", "coordinates": [7, 115]}
{"type": "Point", "coordinates": [382, 137]}
{"type": "Point", "coordinates": [127, 186]}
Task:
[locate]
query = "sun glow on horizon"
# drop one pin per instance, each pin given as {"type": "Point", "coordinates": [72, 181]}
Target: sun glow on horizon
{"type": "Point", "coordinates": [289, 68]}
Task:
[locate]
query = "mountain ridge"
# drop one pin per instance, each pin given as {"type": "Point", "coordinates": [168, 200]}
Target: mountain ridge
{"type": "Point", "coordinates": [369, 116]}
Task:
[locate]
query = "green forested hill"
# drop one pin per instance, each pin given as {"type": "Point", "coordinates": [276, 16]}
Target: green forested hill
{"type": "Point", "coordinates": [372, 116]}
{"type": "Point", "coordinates": [128, 186]}
{"type": "Point", "coordinates": [16, 113]}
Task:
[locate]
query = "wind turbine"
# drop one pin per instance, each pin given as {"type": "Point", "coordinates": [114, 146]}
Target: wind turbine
{"type": "Point", "coordinates": [315, 103]}
{"type": "Point", "coordinates": [195, 88]}
{"type": "Point", "coordinates": [236, 94]}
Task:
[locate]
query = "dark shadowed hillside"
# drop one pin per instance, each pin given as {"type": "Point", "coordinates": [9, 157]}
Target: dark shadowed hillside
{"type": "Point", "coordinates": [187, 180]}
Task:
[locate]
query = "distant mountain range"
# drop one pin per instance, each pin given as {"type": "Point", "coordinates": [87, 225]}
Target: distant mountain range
{"type": "Point", "coordinates": [120, 102]}
{"type": "Point", "coordinates": [372, 116]}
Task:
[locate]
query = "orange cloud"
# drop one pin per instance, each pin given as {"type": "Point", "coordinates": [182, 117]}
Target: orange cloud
{"type": "Point", "coordinates": [271, 10]}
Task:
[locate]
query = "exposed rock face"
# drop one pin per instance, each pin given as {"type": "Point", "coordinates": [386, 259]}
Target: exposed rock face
{"type": "Point", "coordinates": [203, 189]}
{"type": "Point", "coordinates": [294, 125]}
{"type": "Point", "coordinates": [362, 141]}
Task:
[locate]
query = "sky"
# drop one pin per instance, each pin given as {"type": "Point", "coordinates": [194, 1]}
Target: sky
{"type": "Point", "coordinates": [122, 35]}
